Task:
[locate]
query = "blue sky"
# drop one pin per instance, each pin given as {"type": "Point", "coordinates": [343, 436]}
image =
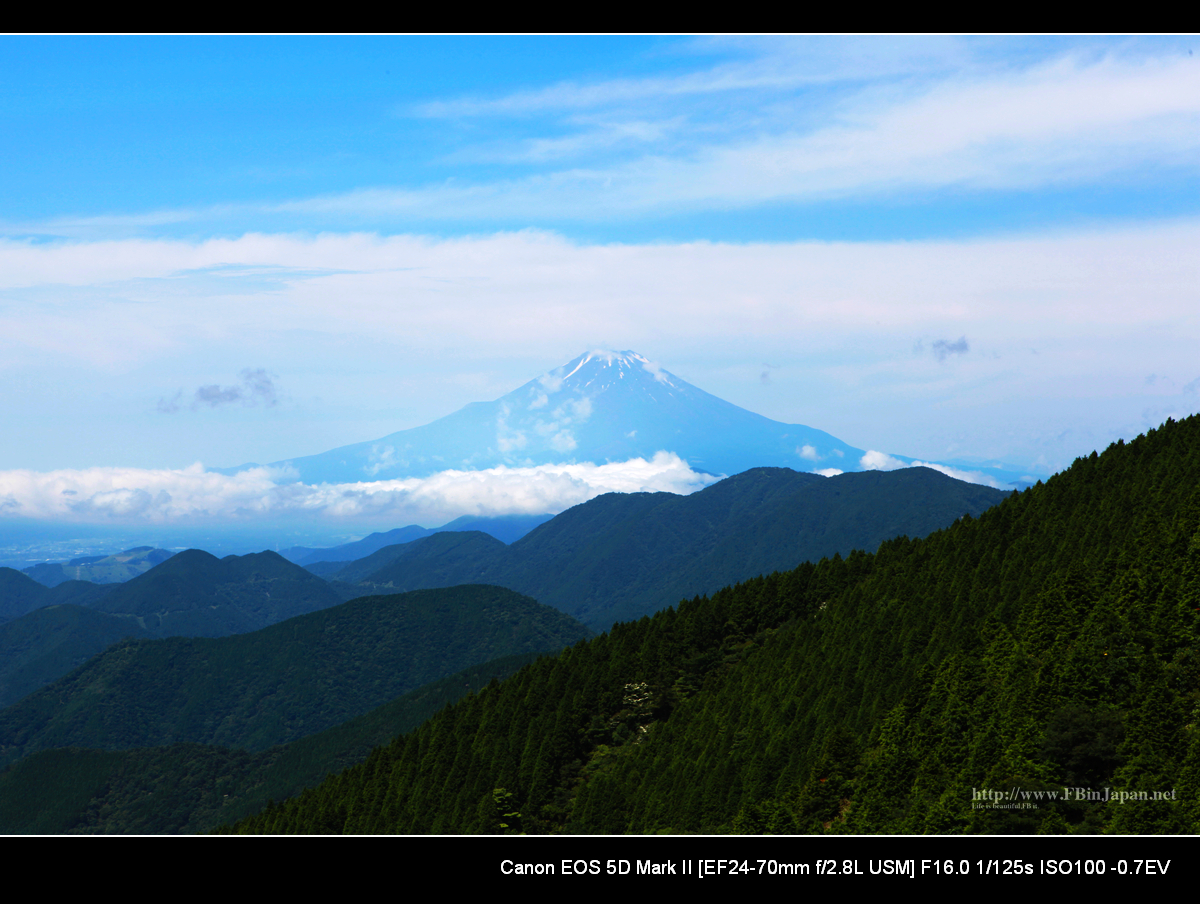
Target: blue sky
{"type": "Point", "coordinates": [221, 250]}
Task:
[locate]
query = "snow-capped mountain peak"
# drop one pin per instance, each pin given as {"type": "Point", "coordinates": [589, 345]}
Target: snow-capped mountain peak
{"type": "Point", "coordinates": [601, 368]}
{"type": "Point", "coordinates": [603, 406]}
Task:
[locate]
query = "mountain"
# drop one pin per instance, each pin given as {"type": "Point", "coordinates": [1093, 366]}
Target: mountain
{"type": "Point", "coordinates": [624, 555]}
{"type": "Point", "coordinates": [348, 552]}
{"type": "Point", "coordinates": [54, 629]}
{"type": "Point", "coordinates": [283, 682]}
{"type": "Point", "coordinates": [617, 557]}
{"type": "Point", "coordinates": [112, 569]}
{"type": "Point", "coordinates": [43, 645]}
{"type": "Point", "coordinates": [20, 594]}
{"type": "Point", "coordinates": [602, 406]}
{"type": "Point", "coordinates": [195, 594]}
{"type": "Point", "coordinates": [1049, 644]}
{"type": "Point", "coordinates": [506, 528]}
{"type": "Point", "coordinates": [188, 788]}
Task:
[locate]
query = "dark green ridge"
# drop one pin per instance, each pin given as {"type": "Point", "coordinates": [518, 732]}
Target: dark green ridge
{"type": "Point", "coordinates": [624, 555]}
{"type": "Point", "coordinates": [283, 682]}
{"type": "Point", "coordinates": [188, 788]}
{"type": "Point", "coordinates": [20, 594]}
{"type": "Point", "coordinates": [1050, 642]}
{"type": "Point", "coordinates": [443, 560]}
{"type": "Point", "coordinates": [198, 595]}
{"type": "Point", "coordinates": [192, 594]}
{"type": "Point", "coordinates": [46, 644]}
{"type": "Point", "coordinates": [506, 528]}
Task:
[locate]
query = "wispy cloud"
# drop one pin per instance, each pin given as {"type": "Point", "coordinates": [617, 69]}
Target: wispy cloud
{"type": "Point", "coordinates": [943, 348]}
{"type": "Point", "coordinates": [257, 387]}
{"type": "Point", "coordinates": [892, 118]}
{"type": "Point", "coordinates": [1062, 122]}
{"type": "Point", "coordinates": [881, 461]}
{"type": "Point", "coordinates": [771, 64]}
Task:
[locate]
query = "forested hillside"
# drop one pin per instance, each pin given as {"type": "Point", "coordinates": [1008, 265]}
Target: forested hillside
{"type": "Point", "coordinates": [193, 594]}
{"type": "Point", "coordinates": [188, 788]}
{"type": "Point", "coordinates": [1050, 642]}
{"type": "Point", "coordinates": [624, 555]}
{"type": "Point", "coordinates": [283, 682]}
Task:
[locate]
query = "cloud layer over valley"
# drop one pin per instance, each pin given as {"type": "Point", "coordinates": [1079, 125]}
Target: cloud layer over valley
{"type": "Point", "coordinates": [124, 496]}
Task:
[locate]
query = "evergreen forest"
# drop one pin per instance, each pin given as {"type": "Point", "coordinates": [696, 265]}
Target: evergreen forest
{"type": "Point", "coordinates": [1048, 644]}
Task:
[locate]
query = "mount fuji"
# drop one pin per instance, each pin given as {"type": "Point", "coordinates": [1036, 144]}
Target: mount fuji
{"type": "Point", "coordinates": [604, 406]}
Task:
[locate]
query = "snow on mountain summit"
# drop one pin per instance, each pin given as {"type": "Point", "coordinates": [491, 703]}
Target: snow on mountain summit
{"type": "Point", "coordinates": [603, 406]}
{"type": "Point", "coordinates": [598, 370]}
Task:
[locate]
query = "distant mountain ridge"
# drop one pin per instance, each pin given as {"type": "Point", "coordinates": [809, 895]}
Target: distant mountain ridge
{"type": "Point", "coordinates": [112, 569]}
{"type": "Point", "coordinates": [195, 594]}
{"type": "Point", "coordinates": [47, 631]}
{"type": "Point", "coordinates": [602, 406]}
{"type": "Point", "coordinates": [625, 555]}
{"type": "Point", "coordinates": [20, 594]}
{"type": "Point", "coordinates": [617, 557]}
{"type": "Point", "coordinates": [506, 528]}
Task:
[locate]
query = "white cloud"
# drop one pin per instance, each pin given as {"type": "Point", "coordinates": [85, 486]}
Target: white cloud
{"type": "Point", "coordinates": [808, 452]}
{"type": "Point", "coordinates": [656, 370]}
{"type": "Point", "coordinates": [413, 291]}
{"type": "Point", "coordinates": [563, 441]}
{"type": "Point", "coordinates": [574, 410]}
{"type": "Point", "coordinates": [829, 472]}
{"type": "Point", "coordinates": [507, 438]}
{"type": "Point", "coordinates": [575, 96]}
{"type": "Point", "coordinates": [381, 458]}
{"type": "Point", "coordinates": [967, 476]}
{"type": "Point", "coordinates": [880, 461]}
{"type": "Point", "coordinates": [190, 495]}
{"type": "Point", "coordinates": [767, 64]}
{"type": "Point", "coordinates": [551, 383]}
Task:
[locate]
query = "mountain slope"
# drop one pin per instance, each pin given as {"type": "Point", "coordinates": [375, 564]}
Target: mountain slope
{"type": "Point", "coordinates": [112, 569]}
{"type": "Point", "coordinates": [192, 594]}
{"type": "Point", "coordinates": [624, 555]}
{"type": "Point", "coordinates": [506, 528]}
{"type": "Point", "coordinates": [186, 788]}
{"type": "Point", "coordinates": [45, 644]}
{"type": "Point", "coordinates": [196, 594]}
{"type": "Point", "coordinates": [20, 594]}
{"type": "Point", "coordinates": [1051, 643]}
{"type": "Point", "coordinates": [283, 682]}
